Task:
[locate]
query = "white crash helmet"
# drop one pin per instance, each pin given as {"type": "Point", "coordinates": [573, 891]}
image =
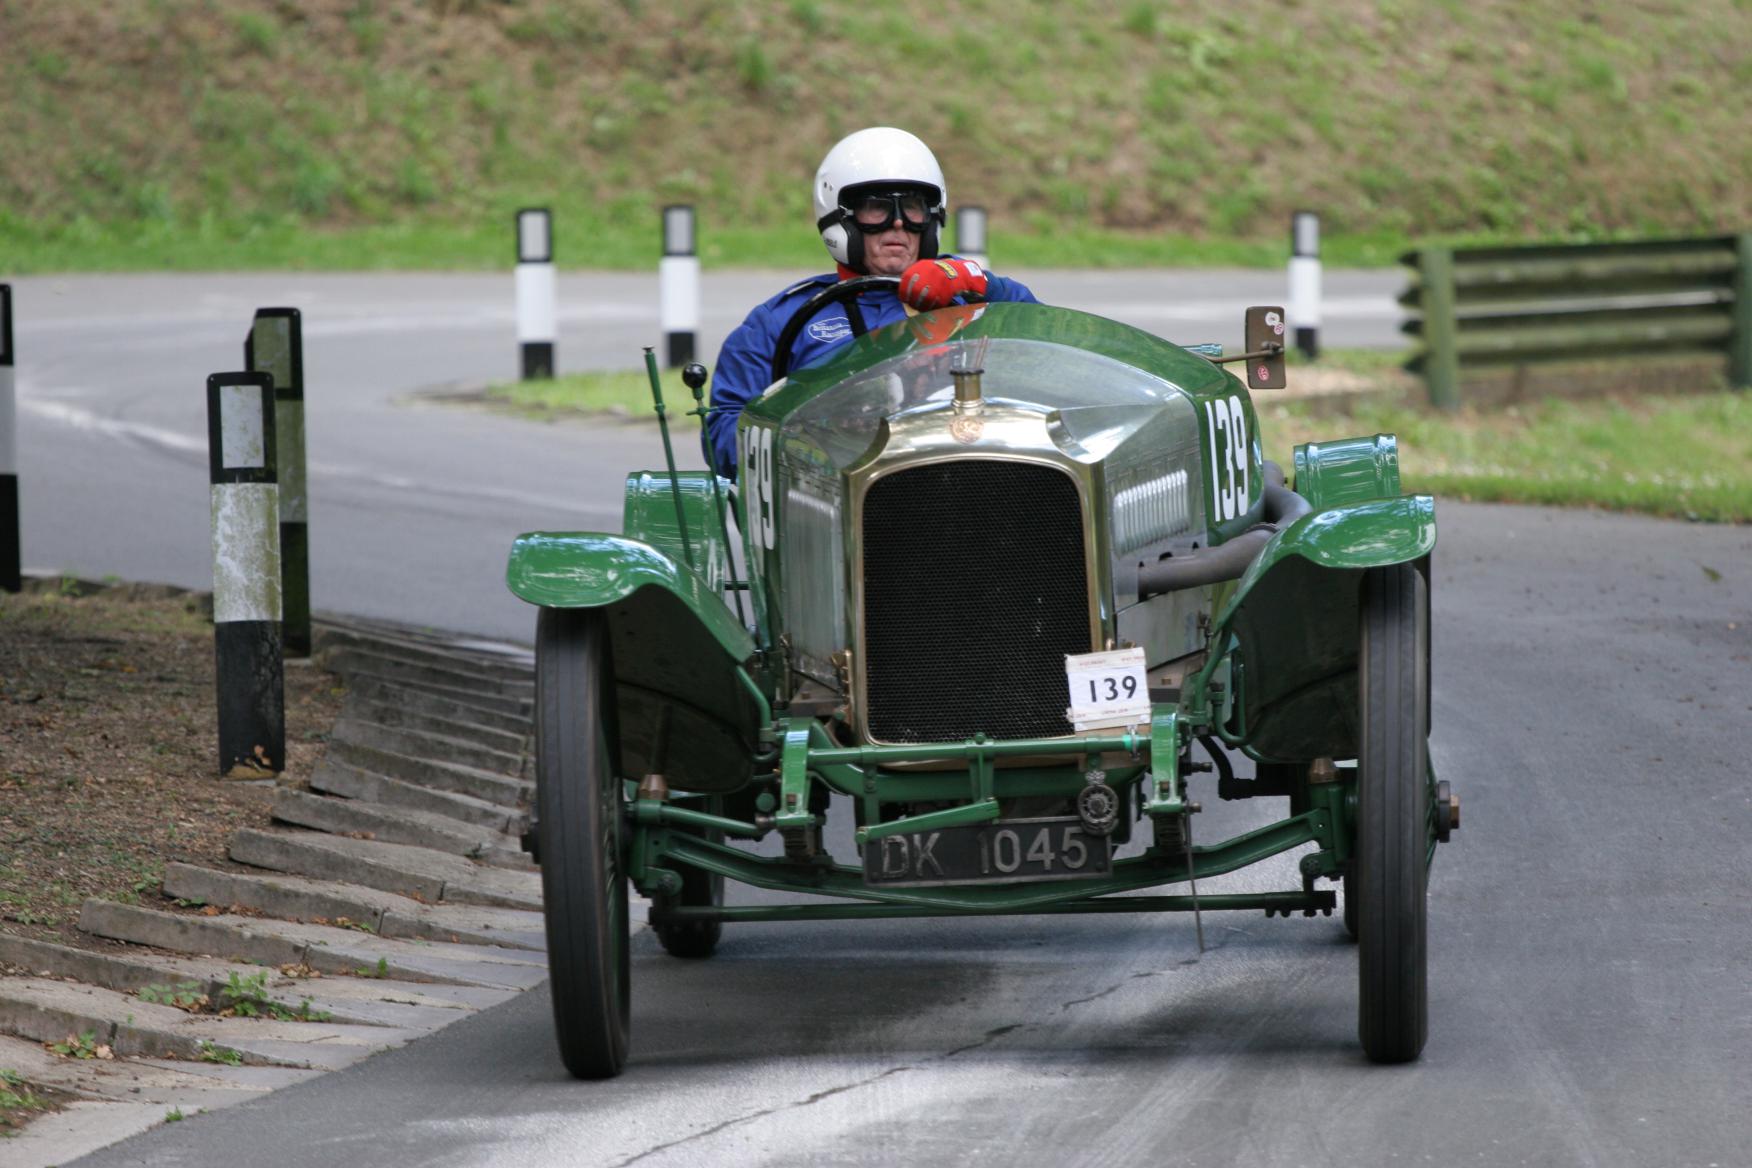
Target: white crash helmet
{"type": "Point", "coordinates": [881, 156]}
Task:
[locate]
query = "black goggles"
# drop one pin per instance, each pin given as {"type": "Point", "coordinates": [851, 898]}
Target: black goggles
{"type": "Point", "coordinates": [875, 211]}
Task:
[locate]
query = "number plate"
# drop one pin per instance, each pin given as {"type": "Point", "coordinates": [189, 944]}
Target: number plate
{"type": "Point", "coordinates": [1107, 689]}
{"type": "Point", "coordinates": [989, 853]}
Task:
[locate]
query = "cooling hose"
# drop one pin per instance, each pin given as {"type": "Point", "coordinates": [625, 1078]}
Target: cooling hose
{"type": "Point", "coordinates": [1227, 561]}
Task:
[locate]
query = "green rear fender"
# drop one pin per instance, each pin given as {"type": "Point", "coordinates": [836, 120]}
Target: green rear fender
{"type": "Point", "coordinates": [675, 644]}
{"type": "Point", "coordinates": [1294, 617]}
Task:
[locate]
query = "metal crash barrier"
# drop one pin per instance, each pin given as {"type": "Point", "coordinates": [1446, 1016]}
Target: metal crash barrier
{"type": "Point", "coordinates": [1508, 306]}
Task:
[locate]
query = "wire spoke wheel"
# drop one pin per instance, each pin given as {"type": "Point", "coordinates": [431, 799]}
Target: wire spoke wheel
{"type": "Point", "coordinates": [579, 806]}
{"type": "Point", "coordinates": [1393, 820]}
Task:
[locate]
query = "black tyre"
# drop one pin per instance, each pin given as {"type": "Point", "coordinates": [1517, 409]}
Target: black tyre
{"type": "Point", "coordinates": [695, 939]}
{"type": "Point", "coordinates": [579, 805]}
{"type": "Point", "coordinates": [1349, 898]}
{"type": "Point", "coordinates": [1393, 825]}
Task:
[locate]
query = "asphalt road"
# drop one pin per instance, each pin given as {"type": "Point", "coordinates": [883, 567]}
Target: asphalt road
{"type": "Point", "coordinates": [1591, 953]}
{"type": "Point", "coordinates": [413, 509]}
{"type": "Point", "coordinates": [1591, 932]}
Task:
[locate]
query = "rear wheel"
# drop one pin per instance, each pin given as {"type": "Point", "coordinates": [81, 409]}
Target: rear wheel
{"type": "Point", "coordinates": [1390, 874]}
{"type": "Point", "coordinates": [579, 805]}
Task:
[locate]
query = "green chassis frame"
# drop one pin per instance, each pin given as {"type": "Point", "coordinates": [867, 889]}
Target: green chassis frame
{"type": "Point", "coordinates": [667, 833]}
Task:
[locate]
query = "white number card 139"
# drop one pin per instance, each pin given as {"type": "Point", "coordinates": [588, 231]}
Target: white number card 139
{"type": "Point", "coordinates": [1107, 689]}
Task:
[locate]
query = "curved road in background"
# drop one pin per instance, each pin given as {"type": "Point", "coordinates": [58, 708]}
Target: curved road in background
{"type": "Point", "coordinates": [1591, 932]}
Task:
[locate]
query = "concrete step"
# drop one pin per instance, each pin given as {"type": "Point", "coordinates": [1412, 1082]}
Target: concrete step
{"type": "Point", "coordinates": [487, 685]}
{"type": "Point", "coordinates": [440, 776]}
{"type": "Point", "coordinates": [383, 913]}
{"type": "Point", "coordinates": [452, 724]}
{"type": "Point", "coordinates": [130, 970]}
{"type": "Point", "coordinates": [443, 747]}
{"type": "Point", "coordinates": [420, 873]}
{"type": "Point", "coordinates": [424, 829]}
{"type": "Point", "coordinates": [50, 1011]}
{"type": "Point", "coordinates": [330, 950]}
{"type": "Point", "coordinates": [445, 656]}
{"type": "Point", "coordinates": [457, 707]}
{"type": "Point", "coordinates": [334, 777]}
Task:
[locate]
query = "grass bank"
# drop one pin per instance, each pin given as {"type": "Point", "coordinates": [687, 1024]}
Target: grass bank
{"type": "Point", "coordinates": [1686, 456]}
{"type": "Point", "coordinates": [349, 133]}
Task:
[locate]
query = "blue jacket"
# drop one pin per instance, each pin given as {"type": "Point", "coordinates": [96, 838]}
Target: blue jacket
{"type": "Point", "coordinates": [745, 362]}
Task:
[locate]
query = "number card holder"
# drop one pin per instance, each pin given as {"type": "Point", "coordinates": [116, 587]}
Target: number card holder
{"type": "Point", "coordinates": [1107, 689]}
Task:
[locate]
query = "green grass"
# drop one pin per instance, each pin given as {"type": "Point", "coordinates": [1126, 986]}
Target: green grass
{"type": "Point", "coordinates": [583, 241]}
{"type": "Point", "coordinates": [1683, 456]}
{"type": "Point", "coordinates": [619, 394]}
{"type": "Point", "coordinates": [402, 133]}
{"type": "Point", "coordinates": [1688, 457]}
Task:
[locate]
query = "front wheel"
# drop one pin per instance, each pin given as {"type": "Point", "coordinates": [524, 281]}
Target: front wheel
{"type": "Point", "coordinates": [1393, 835]}
{"type": "Point", "coordinates": [579, 805]}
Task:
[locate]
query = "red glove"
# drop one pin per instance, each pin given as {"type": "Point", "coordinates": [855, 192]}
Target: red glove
{"type": "Point", "coordinates": [931, 284]}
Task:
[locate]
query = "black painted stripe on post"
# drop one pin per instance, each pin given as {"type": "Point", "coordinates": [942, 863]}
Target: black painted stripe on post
{"type": "Point", "coordinates": [247, 636]}
{"type": "Point", "coordinates": [275, 346]}
{"type": "Point", "coordinates": [538, 360]}
{"type": "Point", "coordinates": [11, 561]}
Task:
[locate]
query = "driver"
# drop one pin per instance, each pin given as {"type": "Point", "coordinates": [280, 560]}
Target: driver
{"type": "Point", "coordinates": [880, 201]}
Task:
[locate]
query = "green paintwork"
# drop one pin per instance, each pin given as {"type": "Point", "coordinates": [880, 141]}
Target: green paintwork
{"type": "Point", "coordinates": [649, 515]}
{"type": "Point", "coordinates": [982, 811]}
{"type": "Point", "coordinates": [1294, 616]}
{"type": "Point", "coordinates": [1322, 901]}
{"type": "Point", "coordinates": [1162, 794]}
{"type": "Point", "coordinates": [847, 881]}
{"type": "Point", "coordinates": [674, 644]}
{"type": "Point", "coordinates": [1348, 470]}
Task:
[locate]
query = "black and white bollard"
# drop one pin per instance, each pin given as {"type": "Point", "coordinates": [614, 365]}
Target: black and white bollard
{"type": "Point", "coordinates": [11, 565]}
{"type": "Point", "coordinates": [246, 574]}
{"type": "Point", "coordinates": [970, 235]}
{"type": "Point", "coordinates": [1305, 281]}
{"type": "Point", "coordinates": [535, 292]}
{"type": "Point", "coordinates": [275, 346]}
{"type": "Point", "coordinates": [678, 286]}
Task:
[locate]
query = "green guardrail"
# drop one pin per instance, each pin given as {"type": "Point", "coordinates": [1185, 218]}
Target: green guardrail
{"type": "Point", "coordinates": [1503, 306]}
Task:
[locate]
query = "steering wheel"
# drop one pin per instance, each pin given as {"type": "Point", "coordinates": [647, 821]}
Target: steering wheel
{"type": "Point", "coordinates": [832, 294]}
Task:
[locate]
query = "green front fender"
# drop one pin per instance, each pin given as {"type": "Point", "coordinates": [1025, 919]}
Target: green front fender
{"type": "Point", "coordinates": [674, 644]}
{"type": "Point", "coordinates": [1294, 616]}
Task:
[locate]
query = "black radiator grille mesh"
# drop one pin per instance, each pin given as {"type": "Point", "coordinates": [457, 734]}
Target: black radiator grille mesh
{"type": "Point", "coordinates": [974, 590]}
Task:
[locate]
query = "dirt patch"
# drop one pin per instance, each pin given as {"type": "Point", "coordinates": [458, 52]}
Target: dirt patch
{"type": "Point", "coordinates": [108, 750]}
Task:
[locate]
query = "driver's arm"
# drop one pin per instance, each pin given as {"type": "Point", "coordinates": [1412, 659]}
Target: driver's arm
{"type": "Point", "coordinates": [744, 365]}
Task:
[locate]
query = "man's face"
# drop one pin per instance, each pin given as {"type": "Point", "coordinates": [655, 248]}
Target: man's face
{"type": "Point", "coordinates": [891, 252]}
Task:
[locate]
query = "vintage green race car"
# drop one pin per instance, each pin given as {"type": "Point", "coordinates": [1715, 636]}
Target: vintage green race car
{"type": "Point", "coordinates": [1006, 566]}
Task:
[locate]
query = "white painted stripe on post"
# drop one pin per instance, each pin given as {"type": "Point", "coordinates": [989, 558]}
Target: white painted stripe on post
{"type": "Point", "coordinates": [1304, 291]}
{"type": "Point", "coordinates": [8, 423]}
{"type": "Point", "coordinates": [535, 302]}
{"type": "Point", "coordinates": [242, 442]}
{"type": "Point", "coordinates": [289, 461]}
{"type": "Point", "coordinates": [678, 294]}
{"type": "Point", "coordinates": [246, 552]}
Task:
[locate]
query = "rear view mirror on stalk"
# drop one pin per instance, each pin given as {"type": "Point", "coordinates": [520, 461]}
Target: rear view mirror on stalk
{"type": "Point", "coordinates": [1265, 348]}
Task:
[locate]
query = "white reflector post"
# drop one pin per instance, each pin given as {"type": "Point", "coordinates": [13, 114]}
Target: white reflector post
{"type": "Point", "coordinates": [1305, 281]}
{"type": "Point", "coordinates": [249, 664]}
{"type": "Point", "coordinates": [275, 346]}
{"type": "Point", "coordinates": [11, 563]}
{"type": "Point", "coordinates": [970, 235]}
{"type": "Point", "coordinates": [678, 286]}
{"type": "Point", "coordinates": [535, 292]}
